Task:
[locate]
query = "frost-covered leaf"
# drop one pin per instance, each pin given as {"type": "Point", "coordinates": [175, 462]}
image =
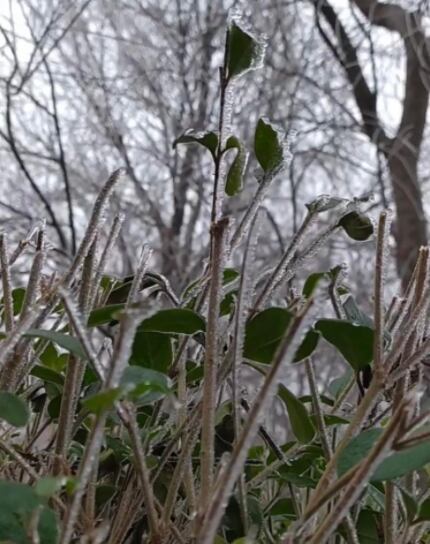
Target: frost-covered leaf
{"type": "Point", "coordinates": [65, 341]}
{"type": "Point", "coordinates": [234, 181]}
{"type": "Point", "coordinates": [174, 321]}
{"type": "Point", "coordinates": [357, 226]}
{"type": "Point", "coordinates": [307, 346]}
{"type": "Point", "coordinates": [324, 203]}
{"type": "Point", "coordinates": [105, 314]}
{"type": "Point", "coordinates": [209, 139]}
{"type": "Point", "coordinates": [300, 420]}
{"type": "Point", "coordinates": [269, 146]}
{"type": "Point", "coordinates": [244, 51]}
{"type": "Point", "coordinates": [312, 282]}
{"type": "Point", "coordinates": [137, 381]}
{"type": "Point", "coordinates": [264, 332]}
{"type": "Point", "coordinates": [354, 342]}
{"type": "Point", "coordinates": [394, 466]}
{"type": "Point", "coordinates": [152, 350]}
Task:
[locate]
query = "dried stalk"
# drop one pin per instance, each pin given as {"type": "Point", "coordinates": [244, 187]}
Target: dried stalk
{"type": "Point", "coordinates": [211, 363]}
{"type": "Point", "coordinates": [229, 476]}
{"type": "Point", "coordinates": [241, 311]}
{"type": "Point", "coordinates": [75, 369]}
{"type": "Point", "coordinates": [353, 490]}
{"type": "Point", "coordinates": [6, 283]}
{"type": "Point", "coordinates": [121, 354]}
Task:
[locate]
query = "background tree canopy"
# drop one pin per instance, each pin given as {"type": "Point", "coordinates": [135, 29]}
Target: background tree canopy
{"type": "Point", "coordinates": [90, 84]}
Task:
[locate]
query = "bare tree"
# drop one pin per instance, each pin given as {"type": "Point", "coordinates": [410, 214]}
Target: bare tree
{"type": "Point", "coordinates": [402, 150]}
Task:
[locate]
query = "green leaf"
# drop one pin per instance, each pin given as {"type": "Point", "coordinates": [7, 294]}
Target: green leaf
{"type": "Point", "coordinates": [47, 375]}
{"type": "Point", "coordinates": [355, 342]}
{"type": "Point", "coordinates": [17, 497]}
{"type": "Point", "coordinates": [227, 303]}
{"type": "Point", "coordinates": [336, 386]}
{"type": "Point", "coordinates": [46, 487]}
{"type": "Point", "coordinates": [357, 449]}
{"type": "Point", "coordinates": [137, 381]}
{"type": "Point", "coordinates": [264, 333]}
{"type": "Point", "coordinates": [411, 505]}
{"type": "Point", "coordinates": [330, 420]}
{"type": "Point", "coordinates": [48, 527]}
{"type": "Point", "coordinates": [65, 341]}
{"type": "Point", "coordinates": [354, 314]}
{"type": "Point", "coordinates": [13, 409]}
{"type": "Point", "coordinates": [11, 530]}
{"type": "Point", "coordinates": [357, 226]}
{"type": "Point", "coordinates": [174, 321]}
{"type": "Point", "coordinates": [209, 140]}
{"type": "Point", "coordinates": [312, 282]}
{"type": "Point", "coordinates": [152, 350]}
{"type": "Point", "coordinates": [234, 181]}
{"type": "Point", "coordinates": [301, 422]}
{"type": "Point", "coordinates": [396, 465]}
{"type": "Point", "coordinates": [18, 296]}
{"type": "Point", "coordinates": [104, 315]}
{"type": "Point", "coordinates": [424, 510]}
{"type": "Point", "coordinates": [17, 502]}
{"type": "Point", "coordinates": [268, 146]}
{"type": "Point", "coordinates": [367, 527]}
{"type": "Point", "coordinates": [52, 359]}
{"type": "Point", "coordinates": [229, 275]}
{"type": "Point", "coordinates": [307, 346]}
{"type": "Point", "coordinates": [103, 401]}
{"type": "Point", "coordinates": [244, 51]}
{"type": "Point", "coordinates": [324, 203]}
{"type": "Point", "coordinates": [283, 509]}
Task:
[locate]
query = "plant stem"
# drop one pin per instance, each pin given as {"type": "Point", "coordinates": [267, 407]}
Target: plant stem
{"type": "Point", "coordinates": [229, 476]}
{"type": "Point", "coordinates": [218, 236]}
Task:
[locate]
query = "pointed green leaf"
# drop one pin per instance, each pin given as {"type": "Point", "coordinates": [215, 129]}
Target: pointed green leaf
{"type": "Point", "coordinates": [47, 374]}
{"type": "Point", "coordinates": [104, 315]}
{"type": "Point", "coordinates": [269, 146]}
{"type": "Point", "coordinates": [234, 181]}
{"type": "Point", "coordinates": [355, 342]}
{"type": "Point", "coordinates": [337, 385]}
{"type": "Point", "coordinates": [301, 422]}
{"type": "Point", "coordinates": [209, 139]}
{"type": "Point", "coordinates": [396, 465]}
{"type": "Point", "coordinates": [174, 321]}
{"type": "Point", "coordinates": [312, 282]}
{"type": "Point", "coordinates": [307, 346]}
{"type": "Point", "coordinates": [245, 52]}
{"type": "Point", "coordinates": [423, 511]}
{"type": "Point", "coordinates": [368, 527]}
{"type": "Point", "coordinates": [13, 409]}
{"type": "Point", "coordinates": [357, 226]}
{"type": "Point", "coordinates": [152, 350]}
{"type": "Point", "coordinates": [355, 314]}
{"type": "Point", "coordinates": [137, 381]}
{"type": "Point", "coordinates": [102, 401]}
{"type": "Point", "coordinates": [229, 275]}
{"type": "Point", "coordinates": [264, 332]}
{"type": "Point", "coordinates": [65, 341]}
{"type": "Point", "coordinates": [410, 503]}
